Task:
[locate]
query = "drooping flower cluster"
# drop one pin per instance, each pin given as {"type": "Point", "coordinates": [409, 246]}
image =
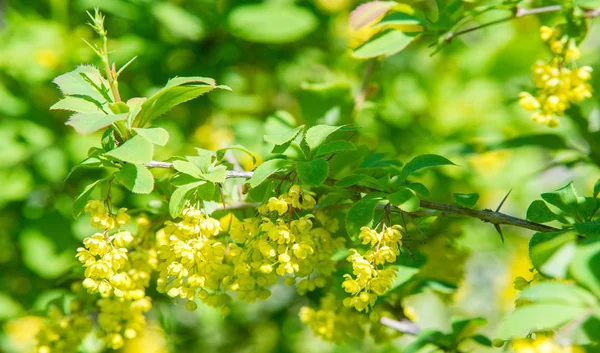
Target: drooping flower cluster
{"type": "Point", "coordinates": [192, 260]}
{"type": "Point", "coordinates": [197, 258]}
{"type": "Point", "coordinates": [63, 332]}
{"type": "Point", "coordinates": [543, 344]}
{"type": "Point", "coordinates": [284, 242]}
{"type": "Point", "coordinates": [557, 86]}
{"type": "Point", "coordinates": [371, 278]}
{"type": "Point", "coordinates": [119, 269]}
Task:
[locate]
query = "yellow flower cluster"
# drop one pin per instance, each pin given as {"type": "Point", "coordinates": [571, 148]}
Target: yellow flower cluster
{"type": "Point", "coordinates": [282, 242]}
{"type": "Point", "coordinates": [63, 333]}
{"type": "Point", "coordinates": [192, 259]}
{"type": "Point", "coordinates": [557, 86]}
{"type": "Point", "coordinates": [198, 259]}
{"type": "Point", "coordinates": [371, 279]}
{"type": "Point", "coordinates": [543, 344]}
{"type": "Point", "coordinates": [119, 272]}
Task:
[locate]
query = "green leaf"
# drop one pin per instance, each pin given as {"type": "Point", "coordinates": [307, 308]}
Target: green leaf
{"type": "Point", "coordinates": [558, 292]}
{"type": "Point", "coordinates": [423, 161]}
{"type": "Point", "coordinates": [419, 188]}
{"type": "Point", "coordinates": [405, 199]}
{"type": "Point", "coordinates": [358, 179]}
{"type": "Point", "coordinates": [222, 151]}
{"type": "Point", "coordinates": [77, 104]}
{"type": "Point", "coordinates": [85, 123]}
{"type": "Point", "coordinates": [386, 44]}
{"type": "Point", "coordinates": [403, 275]}
{"type": "Point", "coordinates": [334, 147]}
{"type": "Point", "coordinates": [271, 23]}
{"type": "Point", "coordinates": [178, 90]}
{"type": "Point", "coordinates": [588, 228]}
{"type": "Point", "coordinates": [118, 108]}
{"type": "Point", "coordinates": [539, 212]}
{"type": "Point", "coordinates": [179, 22]}
{"type": "Point", "coordinates": [265, 170]}
{"type": "Point", "coordinates": [565, 199]}
{"type": "Point", "coordinates": [551, 252]}
{"type": "Point", "coordinates": [399, 18]}
{"type": "Point", "coordinates": [466, 200]}
{"type": "Point", "coordinates": [537, 317]}
{"type": "Point", "coordinates": [597, 188]}
{"type": "Point", "coordinates": [360, 214]}
{"type": "Point", "coordinates": [82, 199]}
{"type": "Point", "coordinates": [136, 150]}
{"type": "Point", "coordinates": [585, 264]}
{"type": "Point", "coordinates": [187, 168]}
{"type": "Point", "coordinates": [157, 136]}
{"type": "Point", "coordinates": [136, 178]}
{"type": "Point", "coordinates": [285, 137]}
{"type": "Point", "coordinates": [316, 135]}
{"type": "Point", "coordinates": [369, 12]}
{"type": "Point", "coordinates": [313, 173]}
{"type": "Point", "coordinates": [135, 106]}
{"type": "Point", "coordinates": [204, 159]}
{"type": "Point", "coordinates": [178, 198]}
{"type": "Point", "coordinates": [217, 174]}
{"type": "Point", "coordinates": [85, 81]}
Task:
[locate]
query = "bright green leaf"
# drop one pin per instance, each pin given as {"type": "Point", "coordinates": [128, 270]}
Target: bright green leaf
{"type": "Point", "coordinates": [539, 212]}
{"type": "Point", "coordinates": [386, 44]}
{"type": "Point", "coordinates": [585, 264]}
{"type": "Point", "coordinates": [178, 90]}
{"type": "Point", "coordinates": [360, 214]}
{"type": "Point", "coordinates": [178, 198]}
{"type": "Point", "coordinates": [157, 135]}
{"type": "Point", "coordinates": [316, 135]}
{"type": "Point", "coordinates": [565, 199]}
{"type": "Point", "coordinates": [85, 80]}
{"type": "Point", "coordinates": [537, 317]}
{"type": "Point", "coordinates": [77, 104]}
{"type": "Point", "coordinates": [136, 150]}
{"type": "Point", "coordinates": [178, 21]}
{"type": "Point", "coordinates": [551, 252]}
{"type": "Point", "coordinates": [82, 199]}
{"type": "Point", "coordinates": [313, 173]}
{"type": "Point", "coordinates": [266, 169]}
{"type": "Point", "coordinates": [87, 123]}
{"type": "Point", "coordinates": [334, 147]}
{"type": "Point", "coordinates": [285, 137]}
{"type": "Point", "coordinates": [558, 292]}
{"type": "Point", "coordinates": [424, 161]}
{"type": "Point", "coordinates": [187, 168]}
{"type": "Point", "coordinates": [136, 178]}
{"type": "Point", "coordinates": [405, 199]}
{"type": "Point", "coordinates": [217, 174]}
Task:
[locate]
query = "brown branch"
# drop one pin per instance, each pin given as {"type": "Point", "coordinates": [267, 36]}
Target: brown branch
{"type": "Point", "coordinates": [490, 216]}
{"type": "Point", "coordinates": [519, 12]}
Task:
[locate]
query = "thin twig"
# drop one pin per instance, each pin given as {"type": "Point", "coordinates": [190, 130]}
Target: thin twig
{"type": "Point", "coordinates": [445, 209]}
{"type": "Point", "coordinates": [519, 12]}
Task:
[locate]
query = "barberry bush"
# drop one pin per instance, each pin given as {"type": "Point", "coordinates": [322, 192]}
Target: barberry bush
{"type": "Point", "coordinates": [350, 181]}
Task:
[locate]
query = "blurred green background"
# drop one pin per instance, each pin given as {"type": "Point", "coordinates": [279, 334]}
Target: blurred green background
{"type": "Point", "coordinates": [459, 103]}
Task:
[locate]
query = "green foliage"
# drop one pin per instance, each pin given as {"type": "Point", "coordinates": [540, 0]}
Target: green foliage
{"type": "Point", "coordinates": [302, 112]}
